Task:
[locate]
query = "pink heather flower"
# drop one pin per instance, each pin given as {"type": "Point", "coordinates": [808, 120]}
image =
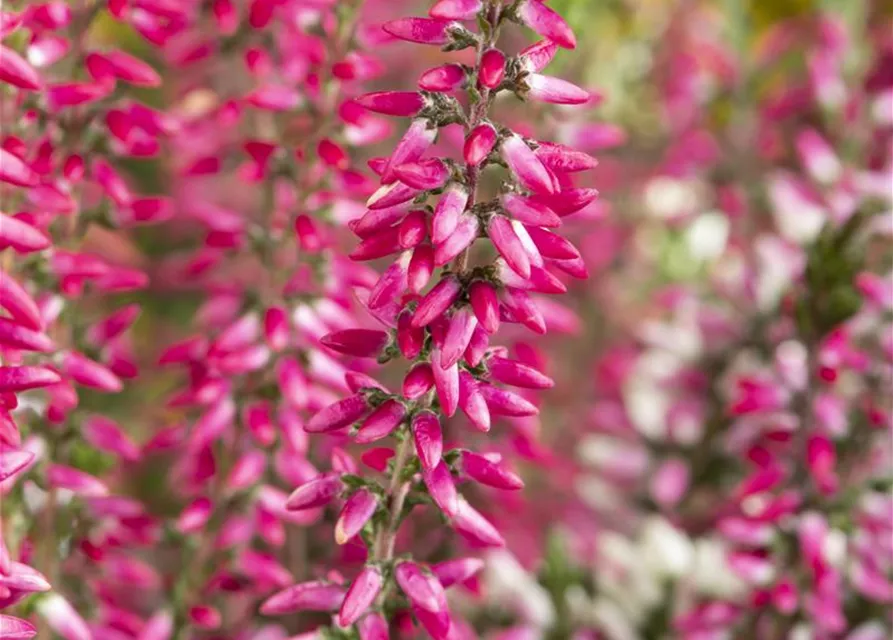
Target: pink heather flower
{"type": "Point", "coordinates": [459, 333]}
{"type": "Point", "coordinates": [381, 422]}
{"type": "Point", "coordinates": [554, 90]}
{"type": "Point", "coordinates": [16, 172]}
{"type": "Point", "coordinates": [489, 472]}
{"type": "Point", "coordinates": [509, 246]}
{"type": "Point", "coordinates": [338, 415]}
{"type": "Point", "coordinates": [413, 229]}
{"type": "Point", "coordinates": [474, 526]}
{"type": "Point", "coordinates": [447, 212]}
{"type": "Point", "coordinates": [463, 235]}
{"type": "Point", "coordinates": [15, 336]}
{"type": "Point", "coordinates": [492, 68]}
{"type": "Point", "coordinates": [21, 236]}
{"type": "Point", "coordinates": [426, 174]}
{"type": "Point", "coordinates": [357, 511]}
{"type": "Point", "coordinates": [436, 302]}
{"type": "Point", "coordinates": [360, 343]}
{"type": "Point", "coordinates": [422, 30]}
{"type": "Point", "coordinates": [479, 143]}
{"type": "Point", "coordinates": [15, 379]}
{"type": "Point", "coordinates": [16, 628]}
{"type": "Point", "coordinates": [393, 103]}
{"type": "Point", "coordinates": [62, 618]}
{"type": "Point", "coordinates": [418, 137]}
{"type": "Point", "coordinates": [446, 382]}
{"type": "Point", "coordinates": [472, 402]}
{"type": "Point", "coordinates": [76, 481]}
{"type": "Point", "coordinates": [14, 461]}
{"type": "Point", "coordinates": [373, 627]}
{"type": "Point", "coordinates": [440, 485]}
{"type": "Point", "coordinates": [106, 435]}
{"type": "Point", "coordinates": [307, 596]}
{"type": "Point", "coordinates": [526, 167]}
{"type": "Point", "coordinates": [457, 571]}
{"type": "Point", "coordinates": [443, 79]}
{"type": "Point", "coordinates": [517, 374]}
{"type": "Point", "coordinates": [456, 9]}
{"type": "Point", "coordinates": [316, 492]}
{"type": "Point", "coordinates": [362, 594]}
{"type": "Point", "coordinates": [542, 19]}
{"type": "Point", "coordinates": [428, 439]}
{"type": "Point", "coordinates": [16, 71]}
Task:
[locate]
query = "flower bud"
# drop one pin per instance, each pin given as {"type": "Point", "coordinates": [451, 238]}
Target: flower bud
{"type": "Point", "coordinates": [393, 103]}
{"type": "Point", "coordinates": [357, 510]}
{"type": "Point", "coordinates": [360, 343]}
{"type": "Point", "coordinates": [338, 415]}
{"type": "Point", "coordinates": [362, 594]}
{"type": "Point", "coordinates": [543, 19]}
{"type": "Point", "coordinates": [381, 422]}
{"type": "Point", "coordinates": [479, 144]}
{"type": "Point", "coordinates": [420, 30]}
{"type": "Point", "coordinates": [316, 492]}
{"type": "Point", "coordinates": [437, 301]}
{"type": "Point", "coordinates": [456, 9]}
{"type": "Point", "coordinates": [428, 439]}
{"type": "Point", "coordinates": [526, 167]}
{"type": "Point", "coordinates": [443, 79]}
{"type": "Point", "coordinates": [492, 68]}
{"type": "Point", "coordinates": [307, 596]}
{"type": "Point", "coordinates": [489, 472]}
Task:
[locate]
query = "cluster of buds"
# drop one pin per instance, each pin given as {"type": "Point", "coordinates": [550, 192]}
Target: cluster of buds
{"type": "Point", "coordinates": [440, 302]}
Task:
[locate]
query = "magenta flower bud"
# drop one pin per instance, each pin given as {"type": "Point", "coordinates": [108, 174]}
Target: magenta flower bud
{"type": "Point", "coordinates": [422, 588]}
{"type": "Point", "coordinates": [89, 373]}
{"type": "Point", "coordinates": [391, 283]}
{"type": "Point", "coordinates": [443, 79]}
{"type": "Point", "coordinates": [257, 417]}
{"type": "Point", "coordinates": [428, 439]}
{"type": "Point", "coordinates": [421, 268]}
{"type": "Point", "coordinates": [446, 214]}
{"type": "Point", "coordinates": [568, 201]}
{"type": "Point", "coordinates": [362, 594]}
{"type": "Point", "coordinates": [540, 281]}
{"type": "Point", "coordinates": [15, 336]}
{"type": "Point", "coordinates": [14, 171]}
{"type": "Point", "coordinates": [472, 402]}
{"type": "Point", "coordinates": [492, 68]}
{"type": "Point", "coordinates": [373, 627]}
{"type": "Point", "coordinates": [554, 90]}
{"type": "Point", "coordinates": [506, 403]}
{"type": "Point", "coordinates": [485, 305]}
{"type": "Point", "coordinates": [21, 236]}
{"type": "Point", "coordinates": [380, 245]}
{"type": "Point", "coordinates": [112, 183]}
{"type": "Point", "coordinates": [463, 236]}
{"type": "Point", "coordinates": [421, 30]}
{"type": "Point", "coordinates": [426, 174]}
{"type": "Point", "coordinates": [16, 628]}
{"type": "Point", "coordinates": [479, 144]}
{"type": "Point", "coordinates": [62, 618]}
{"type": "Point", "coordinates": [506, 241]}
{"type": "Point", "coordinates": [338, 415]}
{"type": "Point", "coordinates": [15, 71]}
{"type": "Point", "coordinates": [490, 473]}
{"type": "Point", "coordinates": [477, 346]}
{"type": "Point", "coordinates": [418, 381]}
{"type": "Point", "coordinates": [670, 482]}
{"type": "Point", "coordinates": [562, 159]}
{"type": "Point", "coordinates": [456, 9]}
{"type": "Point", "coordinates": [76, 481]}
{"type": "Point", "coordinates": [106, 435]}
{"type": "Point", "coordinates": [205, 617]}
{"type": "Point", "coordinates": [391, 195]}
{"type": "Point", "coordinates": [441, 488]}
{"type": "Point", "coordinates": [446, 381]}
{"type": "Point", "coordinates": [393, 103]}
{"type": "Point", "coordinates": [551, 245]}
{"type": "Point", "coordinates": [357, 510]}
{"type": "Point", "coordinates": [276, 328]}
{"type": "Point", "coordinates": [246, 471]}
{"type": "Point", "coordinates": [542, 19]}
{"type": "Point", "coordinates": [437, 301]}
{"type": "Point", "coordinates": [526, 167]}
{"type": "Point", "coordinates": [316, 492]}
{"type": "Point", "coordinates": [113, 325]}
{"type": "Point", "coordinates": [821, 461]}
{"type": "Point", "coordinates": [308, 234]}
{"type": "Point", "coordinates": [122, 66]}
{"type": "Point", "coordinates": [15, 379]}
{"type": "Point", "coordinates": [459, 331]}
{"type": "Point", "coordinates": [413, 229]}
{"type": "Point", "coordinates": [418, 137]}
{"type": "Point", "coordinates": [457, 570]}
{"type": "Point", "coordinates": [13, 461]}
{"type": "Point", "coordinates": [17, 302]}
{"type": "Point", "coordinates": [437, 626]}
{"type": "Point", "coordinates": [360, 343]}
{"type": "Point", "coordinates": [409, 339]}
{"type": "Point", "coordinates": [332, 154]}
{"type": "Point", "coordinates": [524, 310]}
{"type": "Point", "coordinates": [377, 220]}
{"type": "Point", "coordinates": [307, 596]}
{"type": "Point", "coordinates": [518, 374]}
{"type": "Point", "coordinates": [196, 514]}
{"type": "Point", "coordinates": [381, 422]}
{"type": "Point", "coordinates": [474, 526]}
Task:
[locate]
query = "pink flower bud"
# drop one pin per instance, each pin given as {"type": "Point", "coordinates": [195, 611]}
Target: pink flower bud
{"type": "Point", "coordinates": [379, 245]}
{"type": "Point", "coordinates": [479, 144]}
{"type": "Point", "coordinates": [413, 229]}
{"type": "Point", "coordinates": [457, 570]}
{"type": "Point", "coordinates": [21, 236]}
{"type": "Point", "coordinates": [456, 9]}
{"type": "Point", "coordinates": [422, 588]}
{"type": "Point", "coordinates": [332, 154]}
{"type": "Point", "coordinates": [362, 594]}
{"type": "Point", "coordinates": [446, 214]}
{"type": "Point", "coordinates": [474, 526]}
{"type": "Point", "coordinates": [472, 402]}
{"type": "Point", "coordinates": [13, 461]}
{"type": "Point", "coordinates": [391, 283]}
{"type": "Point", "coordinates": [562, 159]}
{"type": "Point", "coordinates": [393, 103]}
{"type": "Point", "coordinates": [338, 415]}
{"type": "Point", "coordinates": [16, 628]}
{"type": "Point", "coordinates": [485, 305]}
{"type": "Point", "coordinates": [196, 514]}
{"type": "Point", "coordinates": [437, 301]}
{"type": "Point", "coordinates": [669, 482]}
{"type": "Point", "coordinates": [526, 167]}
{"type": "Point", "coordinates": [460, 329]}
{"type": "Point", "coordinates": [437, 625]}
{"type": "Point", "coordinates": [421, 267]}
{"type": "Point", "coordinates": [308, 234]}
{"type": "Point", "coordinates": [463, 236]}
{"type": "Point", "coordinates": [315, 493]}
{"type": "Point", "coordinates": [391, 195]}
{"type": "Point", "coordinates": [16, 300]}
{"type": "Point", "coordinates": [276, 328]}
{"type": "Point", "coordinates": [112, 183]}
{"type": "Point", "coordinates": [821, 460]}
{"type": "Point", "coordinates": [418, 137]}
{"type": "Point", "coordinates": [418, 381]}
{"type": "Point", "coordinates": [554, 90]}
{"type": "Point", "coordinates": [506, 403]}
{"type": "Point", "coordinates": [76, 481]}
{"type": "Point", "coordinates": [15, 336]}
{"type": "Point", "coordinates": [542, 19]}
{"type": "Point", "coordinates": [489, 472]}
{"type": "Point", "coordinates": [106, 435]}
{"type": "Point", "coordinates": [446, 380]}
{"type": "Point", "coordinates": [523, 309]}
{"type": "Point", "coordinates": [205, 617]}
{"type": "Point", "coordinates": [428, 439]}
{"type": "Point", "coordinates": [257, 417]}
{"type": "Point", "coordinates": [506, 241]}
{"type": "Point", "coordinates": [14, 171]}
{"type": "Point", "coordinates": [551, 245]}
{"type": "Point", "coordinates": [443, 79]}
{"type": "Point", "coordinates": [540, 281]}
{"type": "Point", "coordinates": [421, 30]}
{"type": "Point", "coordinates": [568, 201]}
{"type": "Point", "coordinates": [15, 71]}
{"type": "Point", "coordinates": [441, 488]}
{"type": "Point", "coordinates": [61, 617]}
{"type": "Point", "coordinates": [492, 68]}
{"type": "Point", "coordinates": [357, 510]}
{"type": "Point", "coordinates": [517, 374]}
{"type": "Point", "coordinates": [427, 174]}
{"type": "Point", "coordinates": [409, 339]}
{"type": "Point", "coordinates": [360, 343]}
{"type": "Point", "coordinates": [120, 65]}
{"type": "Point", "coordinates": [307, 596]}
{"type": "Point", "coordinates": [15, 379]}
{"type": "Point", "coordinates": [381, 422]}
{"type": "Point", "coordinates": [373, 627]}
